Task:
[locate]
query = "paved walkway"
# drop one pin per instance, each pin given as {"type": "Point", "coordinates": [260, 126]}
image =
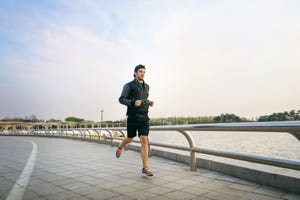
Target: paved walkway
{"type": "Point", "coordinates": [70, 169]}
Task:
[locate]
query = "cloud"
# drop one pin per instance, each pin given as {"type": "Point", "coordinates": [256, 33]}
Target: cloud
{"type": "Point", "coordinates": [202, 58]}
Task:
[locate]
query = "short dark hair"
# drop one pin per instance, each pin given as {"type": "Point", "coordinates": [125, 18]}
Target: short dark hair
{"type": "Point", "coordinates": [136, 69]}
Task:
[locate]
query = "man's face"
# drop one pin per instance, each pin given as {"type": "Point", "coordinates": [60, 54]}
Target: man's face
{"type": "Point", "coordinates": [140, 74]}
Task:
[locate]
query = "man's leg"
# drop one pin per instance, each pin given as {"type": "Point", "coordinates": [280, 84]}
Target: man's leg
{"type": "Point", "coordinates": [144, 150]}
{"type": "Point", "coordinates": [131, 133]}
{"type": "Point", "coordinates": [122, 145]}
{"type": "Point", "coordinates": [126, 141]}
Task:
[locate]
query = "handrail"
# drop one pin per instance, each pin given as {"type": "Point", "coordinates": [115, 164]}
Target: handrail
{"type": "Point", "coordinates": [291, 127]}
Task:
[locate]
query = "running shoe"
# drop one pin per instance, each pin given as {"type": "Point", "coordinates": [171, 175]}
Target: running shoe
{"type": "Point", "coordinates": [146, 171]}
{"type": "Point", "coordinates": [119, 152]}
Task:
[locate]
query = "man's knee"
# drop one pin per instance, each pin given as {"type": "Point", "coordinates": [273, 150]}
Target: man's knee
{"type": "Point", "coordinates": [144, 140]}
{"type": "Point", "coordinates": [129, 140]}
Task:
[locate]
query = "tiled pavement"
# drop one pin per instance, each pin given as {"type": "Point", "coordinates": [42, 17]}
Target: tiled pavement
{"type": "Point", "coordinates": [70, 169]}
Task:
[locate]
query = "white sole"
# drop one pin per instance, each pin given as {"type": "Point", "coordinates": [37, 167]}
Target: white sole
{"type": "Point", "coordinates": [145, 175]}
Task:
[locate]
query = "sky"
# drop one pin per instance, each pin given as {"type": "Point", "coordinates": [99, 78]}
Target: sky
{"type": "Point", "coordinates": [61, 58]}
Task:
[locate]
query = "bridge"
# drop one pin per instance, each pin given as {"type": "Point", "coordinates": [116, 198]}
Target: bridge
{"type": "Point", "coordinates": [17, 126]}
{"type": "Point", "coordinates": [77, 163]}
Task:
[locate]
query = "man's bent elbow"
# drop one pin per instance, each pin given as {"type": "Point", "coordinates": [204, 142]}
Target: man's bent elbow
{"type": "Point", "coordinates": [120, 100]}
{"type": "Point", "coordinates": [123, 101]}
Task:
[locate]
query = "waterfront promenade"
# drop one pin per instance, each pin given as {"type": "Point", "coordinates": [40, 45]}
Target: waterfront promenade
{"type": "Point", "coordinates": [53, 168]}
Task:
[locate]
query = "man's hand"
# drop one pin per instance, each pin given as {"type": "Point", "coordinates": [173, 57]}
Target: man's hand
{"type": "Point", "coordinates": [138, 103]}
{"type": "Point", "coordinates": [151, 103]}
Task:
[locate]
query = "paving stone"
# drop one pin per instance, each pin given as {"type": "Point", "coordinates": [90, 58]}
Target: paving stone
{"type": "Point", "coordinates": [158, 181]}
{"type": "Point", "coordinates": [35, 181]}
{"type": "Point", "coordinates": [201, 198]}
{"type": "Point", "coordinates": [141, 195]}
{"type": "Point", "coordinates": [6, 185]}
{"type": "Point", "coordinates": [87, 190]}
{"type": "Point", "coordinates": [71, 175]}
{"type": "Point", "coordinates": [199, 179]}
{"type": "Point", "coordinates": [142, 185]}
{"type": "Point", "coordinates": [107, 185]}
{"type": "Point", "coordinates": [242, 187]}
{"type": "Point", "coordinates": [255, 196]}
{"type": "Point", "coordinates": [270, 192]}
{"type": "Point", "coordinates": [123, 190]}
{"type": "Point", "coordinates": [11, 176]}
{"type": "Point", "coordinates": [234, 192]}
{"type": "Point", "coordinates": [187, 182]}
{"type": "Point", "coordinates": [28, 195]}
{"type": "Point", "coordinates": [160, 190]}
{"type": "Point", "coordinates": [175, 186]}
{"type": "Point", "coordinates": [208, 186]}
{"type": "Point", "coordinates": [113, 178]}
{"type": "Point", "coordinates": [195, 190]}
{"type": "Point", "coordinates": [66, 181]}
{"type": "Point", "coordinates": [45, 189]}
{"type": "Point", "coordinates": [62, 196]}
{"type": "Point", "coordinates": [85, 178]}
{"type": "Point", "coordinates": [163, 197]}
{"type": "Point", "coordinates": [127, 181]}
{"type": "Point", "coordinates": [220, 195]}
{"type": "Point", "coordinates": [172, 178]}
{"type": "Point", "coordinates": [121, 198]}
{"type": "Point", "coordinates": [180, 195]}
{"type": "Point", "coordinates": [101, 175]}
{"type": "Point", "coordinates": [51, 178]}
{"type": "Point", "coordinates": [96, 182]}
{"type": "Point", "coordinates": [74, 186]}
{"type": "Point", "coordinates": [102, 195]}
{"type": "Point", "coordinates": [4, 192]}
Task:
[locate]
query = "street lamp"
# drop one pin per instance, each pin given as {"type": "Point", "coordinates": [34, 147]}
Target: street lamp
{"type": "Point", "coordinates": [102, 115]}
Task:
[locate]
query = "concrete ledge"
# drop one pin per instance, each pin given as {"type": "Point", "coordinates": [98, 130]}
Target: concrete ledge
{"type": "Point", "coordinates": [267, 178]}
{"type": "Point", "coordinates": [283, 182]}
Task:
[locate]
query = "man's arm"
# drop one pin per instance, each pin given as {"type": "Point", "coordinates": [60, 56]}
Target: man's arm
{"type": "Point", "coordinates": [124, 97]}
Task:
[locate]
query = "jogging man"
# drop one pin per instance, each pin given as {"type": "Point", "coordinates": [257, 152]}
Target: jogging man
{"type": "Point", "coordinates": [135, 97]}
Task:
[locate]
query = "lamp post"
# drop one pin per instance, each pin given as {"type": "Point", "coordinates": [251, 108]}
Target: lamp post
{"type": "Point", "coordinates": [102, 115]}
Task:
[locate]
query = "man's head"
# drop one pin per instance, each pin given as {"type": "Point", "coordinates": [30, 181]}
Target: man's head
{"type": "Point", "coordinates": [139, 72]}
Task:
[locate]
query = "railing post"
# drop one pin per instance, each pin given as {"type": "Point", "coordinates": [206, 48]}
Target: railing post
{"type": "Point", "coordinates": [80, 134]}
{"type": "Point", "coordinates": [122, 132]}
{"type": "Point", "coordinates": [90, 135]}
{"type": "Point", "coordinates": [149, 147]}
{"type": "Point", "coordinates": [111, 137]}
{"type": "Point", "coordinates": [72, 134]}
{"type": "Point", "coordinates": [296, 134]}
{"type": "Point", "coordinates": [84, 133]}
{"type": "Point", "coordinates": [98, 133]}
{"type": "Point", "coordinates": [191, 142]}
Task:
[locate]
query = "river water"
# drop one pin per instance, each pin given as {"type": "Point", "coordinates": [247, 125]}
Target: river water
{"type": "Point", "coordinates": [279, 145]}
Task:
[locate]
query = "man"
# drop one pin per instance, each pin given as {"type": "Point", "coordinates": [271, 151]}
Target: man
{"type": "Point", "coordinates": [135, 97]}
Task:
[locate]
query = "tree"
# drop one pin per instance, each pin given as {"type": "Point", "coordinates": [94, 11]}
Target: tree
{"type": "Point", "coordinates": [53, 120]}
{"type": "Point", "coordinates": [223, 118]}
{"type": "Point", "coordinates": [74, 119]}
{"type": "Point", "coordinates": [283, 116]}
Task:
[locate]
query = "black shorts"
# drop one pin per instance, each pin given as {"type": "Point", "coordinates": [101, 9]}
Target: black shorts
{"type": "Point", "coordinates": [135, 124]}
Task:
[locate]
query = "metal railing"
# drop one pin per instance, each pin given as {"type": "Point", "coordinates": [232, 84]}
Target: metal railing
{"type": "Point", "coordinates": [291, 127]}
